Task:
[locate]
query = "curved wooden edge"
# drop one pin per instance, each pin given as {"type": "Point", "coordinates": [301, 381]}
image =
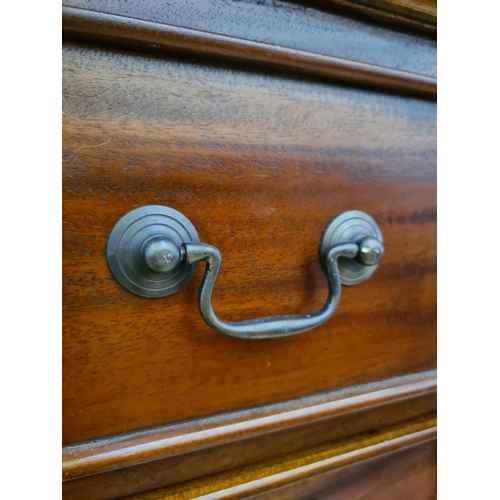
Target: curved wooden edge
{"type": "Point", "coordinates": [418, 15]}
{"type": "Point", "coordinates": [140, 447]}
{"type": "Point", "coordinates": [350, 458]}
{"type": "Point", "coordinates": [247, 482]}
{"type": "Point", "coordinates": [425, 10]}
{"type": "Point", "coordinates": [82, 24]}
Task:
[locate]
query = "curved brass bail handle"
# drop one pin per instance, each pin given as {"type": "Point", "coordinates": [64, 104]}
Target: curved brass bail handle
{"type": "Point", "coordinates": [270, 326]}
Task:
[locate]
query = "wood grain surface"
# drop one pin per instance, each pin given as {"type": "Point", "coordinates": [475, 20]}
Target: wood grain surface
{"type": "Point", "coordinates": [419, 15]}
{"type": "Point", "coordinates": [425, 10]}
{"type": "Point", "coordinates": [102, 28]}
{"type": "Point", "coordinates": [143, 461]}
{"type": "Point", "coordinates": [293, 25]}
{"type": "Point", "coordinates": [410, 474]}
{"type": "Point", "coordinates": [193, 436]}
{"type": "Point", "coordinates": [260, 163]}
{"type": "Point", "coordinates": [265, 480]}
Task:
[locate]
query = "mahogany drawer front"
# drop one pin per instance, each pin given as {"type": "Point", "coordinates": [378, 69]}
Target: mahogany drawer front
{"type": "Point", "coordinates": [260, 163]}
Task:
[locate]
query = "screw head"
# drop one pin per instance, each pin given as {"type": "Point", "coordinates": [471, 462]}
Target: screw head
{"type": "Point", "coordinates": [162, 254]}
{"type": "Point", "coordinates": [370, 251]}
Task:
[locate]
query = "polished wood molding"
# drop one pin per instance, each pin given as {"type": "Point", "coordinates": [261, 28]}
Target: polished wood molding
{"type": "Point", "coordinates": [269, 476]}
{"type": "Point", "coordinates": [409, 474]}
{"type": "Point", "coordinates": [419, 15]}
{"type": "Point", "coordinates": [314, 26]}
{"type": "Point", "coordinates": [83, 24]}
{"type": "Point", "coordinates": [140, 447]}
{"type": "Point", "coordinates": [424, 10]}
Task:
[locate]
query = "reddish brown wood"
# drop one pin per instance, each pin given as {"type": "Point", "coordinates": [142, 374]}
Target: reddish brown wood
{"type": "Point", "coordinates": [409, 474]}
{"type": "Point", "coordinates": [130, 32]}
{"type": "Point", "coordinates": [424, 10]}
{"type": "Point", "coordinates": [419, 15]}
{"type": "Point", "coordinates": [292, 476]}
{"type": "Point", "coordinates": [167, 455]}
{"type": "Point", "coordinates": [288, 24]}
{"type": "Point", "coordinates": [260, 164]}
{"type": "Point", "coordinates": [133, 449]}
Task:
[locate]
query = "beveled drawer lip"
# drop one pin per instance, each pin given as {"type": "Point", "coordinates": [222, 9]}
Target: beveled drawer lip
{"type": "Point", "coordinates": [139, 447]}
{"type": "Point", "coordinates": [118, 30]}
{"type": "Point", "coordinates": [276, 480]}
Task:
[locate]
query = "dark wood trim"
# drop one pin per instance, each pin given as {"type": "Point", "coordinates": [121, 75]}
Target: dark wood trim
{"type": "Point", "coordinates": [137, 448]}
{"type": "Point", "coordinates": [259, 479]}
{"type": "Point", "coordinates": [417, 15]}
{"type": "Point", "coordinates": [82, 24]}
{"type": "Point", "coordinates": [422, 10]}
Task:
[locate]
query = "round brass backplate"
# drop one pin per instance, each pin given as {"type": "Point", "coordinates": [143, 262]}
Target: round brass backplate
{"type": "Point", "coordinates": [350, 226]}
{"type": "Point", "coordinates": [128, 239]}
